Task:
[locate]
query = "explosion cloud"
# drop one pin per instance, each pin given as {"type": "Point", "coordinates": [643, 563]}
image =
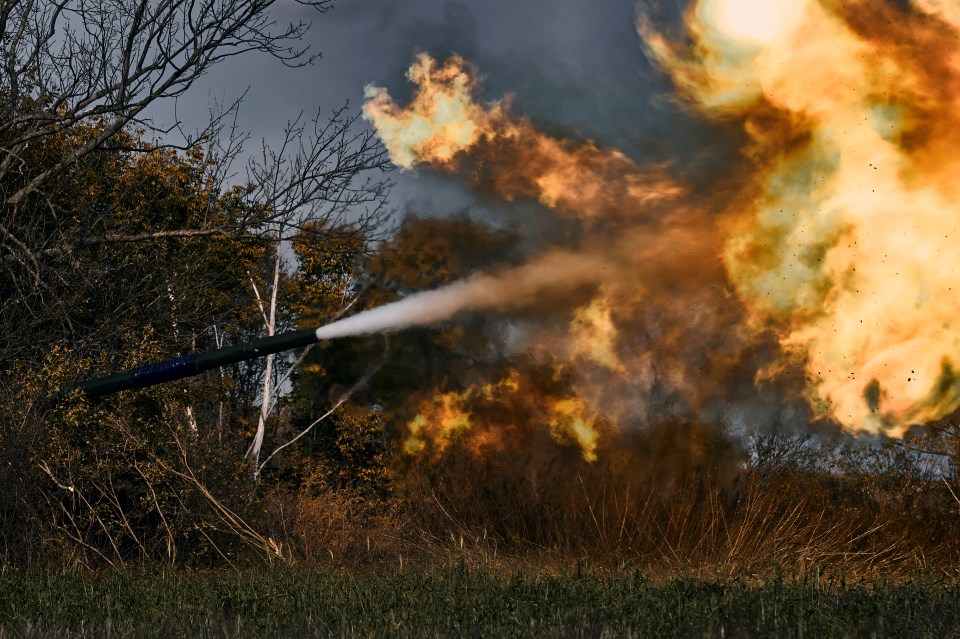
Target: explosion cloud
{"type": "Point", "coordinates": [845, 237]}
{"type": "Point", "coordinates": [638, 243]}
{"type": "Point", "coordinates": [445, 128]}
{"type": "Point", "coordinates": [835, 254]}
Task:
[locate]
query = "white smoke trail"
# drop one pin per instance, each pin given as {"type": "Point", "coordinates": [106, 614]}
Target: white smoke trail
{"type": "Point", "coordinates": [520, 287]}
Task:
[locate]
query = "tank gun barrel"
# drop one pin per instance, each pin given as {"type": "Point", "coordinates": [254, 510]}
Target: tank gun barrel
{"type": "Point", "coordinates": [189, 365]}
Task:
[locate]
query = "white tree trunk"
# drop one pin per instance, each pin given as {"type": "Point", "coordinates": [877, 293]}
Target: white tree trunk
{"type": "Point", "coordinates": [218, 342]}
{"type": "Point", "coordinates": [270, 322]}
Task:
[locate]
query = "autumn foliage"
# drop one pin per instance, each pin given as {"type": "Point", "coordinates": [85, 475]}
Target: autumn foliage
{"type": "Point", "coordinates": [621, 421]}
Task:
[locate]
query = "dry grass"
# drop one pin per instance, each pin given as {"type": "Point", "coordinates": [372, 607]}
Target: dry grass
{"type": "Point", "coordinates": [712, 517]}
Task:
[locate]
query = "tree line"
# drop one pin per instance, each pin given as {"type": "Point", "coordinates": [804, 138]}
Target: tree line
{"type": "Point", "coordinates": [124, 241]}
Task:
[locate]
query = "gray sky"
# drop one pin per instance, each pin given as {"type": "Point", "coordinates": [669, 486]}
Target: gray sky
{"type": "Point", "coordinates": [575, 67]}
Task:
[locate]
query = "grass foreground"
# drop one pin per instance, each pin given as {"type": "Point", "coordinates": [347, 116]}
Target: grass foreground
{"type": "Point", "coordinates": [459, 602]}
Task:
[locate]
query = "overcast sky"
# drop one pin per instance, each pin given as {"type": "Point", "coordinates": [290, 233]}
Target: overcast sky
{"type": "Point", "coordinates": [575, 67]}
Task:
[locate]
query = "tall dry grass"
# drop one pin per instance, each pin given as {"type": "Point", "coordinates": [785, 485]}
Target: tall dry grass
{"type": "Point", "coordinates": [682, 501]}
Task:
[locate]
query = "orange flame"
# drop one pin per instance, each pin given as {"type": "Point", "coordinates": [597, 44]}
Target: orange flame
{"type": "Point", "coordinates": [847, 239]}
{"type": "Point", "coordinates": [593, 335]}
{"type": "Point", "coordinates": [447, 418]}
{"type": "Point", "coordinates": [442, 420]}
{"type": "Point", "coordinates": [843, 241]}
{"type": "Point", "coordinates": [442, 123]}
{"type": "Point", "coordinates": [570, 420]}
{"type": "Point", "coordinates": [483, 417]}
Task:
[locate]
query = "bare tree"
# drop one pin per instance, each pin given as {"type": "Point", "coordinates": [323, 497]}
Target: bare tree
{"type": "Point", "coordinates": [270, 325]}
{"type": "Point", "coordinates": [126, 239]}
{"type": "Point", "coordinates": [77, 80]}
{"type": "Point", "coordinates": [68, 62]}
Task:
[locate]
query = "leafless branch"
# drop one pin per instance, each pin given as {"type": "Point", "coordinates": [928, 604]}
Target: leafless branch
{"type": "Point", "coordinates": [77, 82]}
{"type": "Point", "coordinates": [333, 409]}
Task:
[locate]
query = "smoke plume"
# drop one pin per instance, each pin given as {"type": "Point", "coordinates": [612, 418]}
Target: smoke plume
{"type": "Point", "coordinates": [519, 287]}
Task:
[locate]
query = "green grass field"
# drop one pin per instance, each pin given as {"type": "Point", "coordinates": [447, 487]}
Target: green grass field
{"type": "Point", "coordinates": [462, 603]}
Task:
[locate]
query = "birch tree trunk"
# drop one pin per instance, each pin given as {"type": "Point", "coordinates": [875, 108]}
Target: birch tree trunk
{"type": "Point", "coordinates": [270, 323]}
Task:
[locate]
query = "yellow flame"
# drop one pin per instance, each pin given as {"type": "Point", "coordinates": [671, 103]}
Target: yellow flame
{"type": "Point", "coordinates": [570, 420]}
{"type": "Point", "coordinates": [441, 421]}
{"type": "Point", "coordinates": [446, 417]}
{"type": "Point", "coordinates": [593, 335]}
{"type": "Point", "coordinates": [752, 23]}
{"type": "Point", "coordinates": [442, 121]}
{"type": "Point", "coordinates": [849, 241]}
{"type": "Point", "coordinates": [480, 416]}
{"type": "Point", "coordinates": [845, 241]}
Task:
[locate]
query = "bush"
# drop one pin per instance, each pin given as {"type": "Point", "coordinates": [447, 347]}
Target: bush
{"type": "Point", "coordinates": [116, 481]}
